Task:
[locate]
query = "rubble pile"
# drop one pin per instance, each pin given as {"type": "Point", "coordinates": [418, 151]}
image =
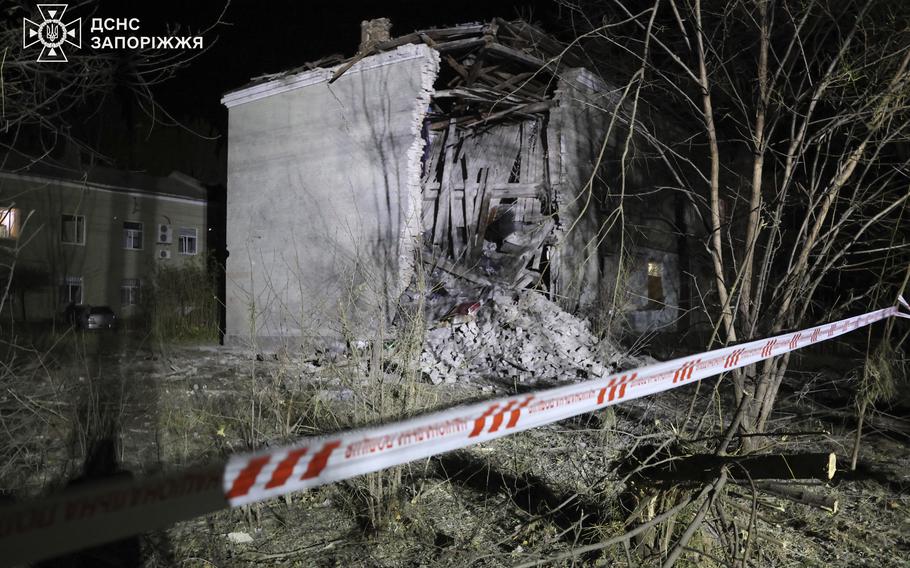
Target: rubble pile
{"type": "Point", "coordinates": [516, 337]}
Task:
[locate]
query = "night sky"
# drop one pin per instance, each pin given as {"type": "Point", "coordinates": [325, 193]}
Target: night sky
{"type": "Point", "coordinates": [256, 38]}
{"type": "Point", "coordinates": [267, 37]}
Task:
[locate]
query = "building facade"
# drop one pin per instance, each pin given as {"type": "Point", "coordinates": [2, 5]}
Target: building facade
{"type": "Point", "coordinates": [467, 145]}
{"type": "Point", "coordinates": [95, 236]}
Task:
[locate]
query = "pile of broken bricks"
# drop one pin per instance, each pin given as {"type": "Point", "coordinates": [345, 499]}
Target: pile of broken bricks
{"type": "Point", "coordinates": [515, 337]}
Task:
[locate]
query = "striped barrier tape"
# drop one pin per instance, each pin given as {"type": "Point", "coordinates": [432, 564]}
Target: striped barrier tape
{"type": "Point", "coordinates": [115, 509]}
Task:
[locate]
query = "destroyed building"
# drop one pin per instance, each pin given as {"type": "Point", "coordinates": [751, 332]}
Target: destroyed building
{"type": "Point", "coordinates": [484, 151]}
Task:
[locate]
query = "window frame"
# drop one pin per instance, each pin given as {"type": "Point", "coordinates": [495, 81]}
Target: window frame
{"type": "Point", "coordinates": [9, 220]}
{"type": "Point", "coordinates": [650, 277]}
{"type": "Point", "coordinates": [128, 231]}
{"type": "Point", "coordinates": [68, 283]}
{"type": "Point", "coordinates": [80, 221]}
{"type": "Point", "coordinates": [180, 241]}
{"type": "Point", "coordinates": [134, 288]}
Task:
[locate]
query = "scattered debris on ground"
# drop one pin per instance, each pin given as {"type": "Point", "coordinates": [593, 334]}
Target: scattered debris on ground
{"type": "Point", "coordinates": [525, 497]}
{"type": "Point", "coordinates": [517, 337]}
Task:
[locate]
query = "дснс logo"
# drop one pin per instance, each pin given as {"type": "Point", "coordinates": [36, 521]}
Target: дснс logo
{"type": "Point", "coordinates": [52, 33]}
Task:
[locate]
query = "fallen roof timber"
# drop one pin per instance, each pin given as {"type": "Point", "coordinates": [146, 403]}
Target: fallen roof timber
{"type": "Point", "coordinates": [460, 44]}
{"type": "Point", "coordinates": [517, 56]}
{"type": "Point", "coordinates": [438, 260]}
{"type": "Point", "coordinates": [494, 44]}
{"type": "Point", "coordinates": [481, 118]}
{"type": "Point", "coordinates": [484, 95]}
{"type": "Point", "coordinates": [512, 80]}
{"type": "Point", "coordinates": [500, 190]}
{"type": "Point", "coordinates": [538, 38]}
{"type": "Point", "coordinates": [435, 34]}
{"type": "Point", "coordinates": [521, 110]}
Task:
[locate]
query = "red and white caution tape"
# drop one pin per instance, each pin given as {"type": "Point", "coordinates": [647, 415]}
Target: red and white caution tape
{"type": "Point", "coordinates": [112, 510]}
{"type": "Point", "coordinates": [262, 475]}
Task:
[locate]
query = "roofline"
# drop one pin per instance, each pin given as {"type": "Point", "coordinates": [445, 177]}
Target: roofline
{"type": "Point", "coordinates": [589, 79]}
{"type": "Point", "coordinates": [103, 187]}
{"type": "Point", "coordinates": [287, 83]}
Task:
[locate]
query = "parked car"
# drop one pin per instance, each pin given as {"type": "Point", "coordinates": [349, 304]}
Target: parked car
{"type": "Point", "coordinates": [90, 317]}
{"type": "Point", "coordinates": [100, 317]}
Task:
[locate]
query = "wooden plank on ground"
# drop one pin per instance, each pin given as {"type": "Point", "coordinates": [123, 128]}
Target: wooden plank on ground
{"type": "Point", "coordinates": [525, 278]}
{"type": "Point", "coordinates": [451, 267]}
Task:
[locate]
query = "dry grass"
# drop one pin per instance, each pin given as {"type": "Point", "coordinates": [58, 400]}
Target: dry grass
{"type": "Point", "coordinates": [182, 302]}
{"type": "Point", "coordinates": [501, 509]}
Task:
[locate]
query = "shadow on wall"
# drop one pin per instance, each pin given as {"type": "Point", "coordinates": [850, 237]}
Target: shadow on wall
{"type": "Point", "coordinates": [332, 259]}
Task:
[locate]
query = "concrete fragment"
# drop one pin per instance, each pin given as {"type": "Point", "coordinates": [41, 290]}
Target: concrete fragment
{"type": "Point", "coordinates": [239, 537]}
{"type": "Point", "coordinates": [522, 337]}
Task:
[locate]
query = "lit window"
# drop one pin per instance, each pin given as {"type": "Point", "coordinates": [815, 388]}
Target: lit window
{"type": "Point", "coordinates": [129, 291]}
{"type": "Point", "coordinates": [71, 290]}
{"type": "Point", "coordinates": [187, 242]}
{"type": "Point", "coordinates": [655, 285]}
{"type": "Point", "coordinates": [72, 229]}
{"type": "Point", "coordinates": [132, 235]}
{"type": "Point", "coordinates": [9, 223]}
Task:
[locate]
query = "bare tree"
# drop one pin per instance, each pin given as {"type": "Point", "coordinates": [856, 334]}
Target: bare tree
{"type": "Point", "coordinates": [801, 110]}
{"type": "Point", "coordinates": [46, 105]}
{"type": "Point", "coordinates": [44, 100]}
{"type": "Point", "coordinates": [796, 159]}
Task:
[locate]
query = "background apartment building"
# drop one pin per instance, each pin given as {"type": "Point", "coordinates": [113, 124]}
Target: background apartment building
{"type": "Point", "coordinates": [93, 236]}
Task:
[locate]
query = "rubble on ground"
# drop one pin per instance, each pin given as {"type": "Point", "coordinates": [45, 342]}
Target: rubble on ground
{"type": "Point", "coordinates": [517, 337]}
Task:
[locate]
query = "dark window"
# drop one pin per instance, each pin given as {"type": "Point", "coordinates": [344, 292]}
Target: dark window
{"type": "Point", "coordinates": [129, 291]}
{"type": "Point", "coordinates": [72, 229]}
{"type": "Point", "coordinates": [71, 290]}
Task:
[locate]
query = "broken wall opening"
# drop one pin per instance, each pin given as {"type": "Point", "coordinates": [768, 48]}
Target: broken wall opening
{"type": "Point", "coordinates": [487, 207]}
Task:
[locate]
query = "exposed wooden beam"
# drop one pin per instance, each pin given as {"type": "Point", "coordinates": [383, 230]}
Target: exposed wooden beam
{"type": "Point", "coordinates": [433, 259]}
{"type": "Point", "coordinates": [460, 44]}
{"type": "Point", "coordinates": [499, 190]}
{"type": "Point", "coordinates": [515, 55]}
{"type": "Point", "coordinates": [532, 108]}
{"type": "Point", "coordinates": [351, 62]}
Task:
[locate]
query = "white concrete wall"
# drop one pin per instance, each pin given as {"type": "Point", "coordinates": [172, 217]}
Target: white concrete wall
{"type": "Point", "coordinates": [323, 197]}
{"type": "Point", "coordinates": [578, 126]}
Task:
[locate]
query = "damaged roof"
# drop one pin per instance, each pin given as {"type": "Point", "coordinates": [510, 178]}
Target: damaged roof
{"type": "Point", "coordinates": [517, 43]}
{"type": "Point", "coordinates": [490, 71]}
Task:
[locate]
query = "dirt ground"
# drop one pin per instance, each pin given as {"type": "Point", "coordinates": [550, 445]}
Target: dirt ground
{"type": "Point", "coordinates": [533, 496]}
